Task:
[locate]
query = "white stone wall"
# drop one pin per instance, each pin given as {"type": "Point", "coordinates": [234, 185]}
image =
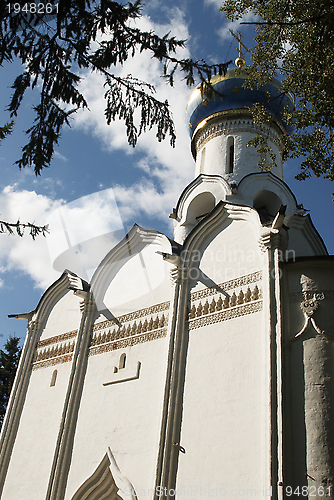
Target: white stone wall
{"type": "Point", "coordinates": [225, 428]}
{"type": "Point", "coordinates": [33, 452]}
{"type": "Point", "coordinates": [125, 416]}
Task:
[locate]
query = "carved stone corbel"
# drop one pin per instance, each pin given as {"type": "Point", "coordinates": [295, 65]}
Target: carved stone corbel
{"type": "Point", "coordinates": [273, 238]}
{"type": "Point", "coordinates": [179, 275]}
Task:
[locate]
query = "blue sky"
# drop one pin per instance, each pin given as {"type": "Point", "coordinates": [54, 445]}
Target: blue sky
{"type": "Point", "coordinates": [114, 184]}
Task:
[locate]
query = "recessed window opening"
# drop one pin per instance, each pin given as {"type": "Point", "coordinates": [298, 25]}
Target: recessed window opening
{"type": "Point", "coordinates": [201, 170]}
{"type": "Point", "coordinates": [122, 361]}
{"type": "Point", "coordinates": [53, 378]}
{"type": "Point", "coordinates": [230, 155]}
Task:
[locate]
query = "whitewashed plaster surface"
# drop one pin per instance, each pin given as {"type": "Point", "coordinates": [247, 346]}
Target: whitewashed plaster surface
{"type": "Point", "coordinates": [39, 424]}
{"type": "Point", "coordinates": [225, 418]}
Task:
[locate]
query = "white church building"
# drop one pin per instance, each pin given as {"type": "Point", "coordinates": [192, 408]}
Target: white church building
{"type": "Point", "coordinates": [196, 367]}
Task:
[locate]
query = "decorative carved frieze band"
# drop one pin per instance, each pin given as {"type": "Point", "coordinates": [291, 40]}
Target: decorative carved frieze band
{"type": "Point", "coordinates": [52, 361]}
{"type": "Point", "coordinates": [228, 285]}
{"type": "Point", "coordinates": [128, 341]}
{"type": "Point", "coordinates": [233, 312]}
{"type": "Point", "coordinates": [229, 127]}
{"type": "Point", "coordinates": [106, 336]}
{"type": "Point", "coordinates": [134, 333]}
{"type": "Point", "coordinates": [57, 339]}
{"type": "Point", "coordinates": [54, 350]}
{"type": "Point", "coordinates": [245, 299]}
{"type": "Point", "coordinates": [225, 302]}
{"type": "Point", "coordinates": [148, 311]}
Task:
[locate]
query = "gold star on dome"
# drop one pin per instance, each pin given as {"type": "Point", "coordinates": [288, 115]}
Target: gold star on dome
{"type": "Point", "coordinates": [266, 94]}
{"type": "Point", "coordinates": [235, 90]}
{"type": "Point", "coordinates": [190, 125]}
{"type": "Point", "coordinates": [205, 102]}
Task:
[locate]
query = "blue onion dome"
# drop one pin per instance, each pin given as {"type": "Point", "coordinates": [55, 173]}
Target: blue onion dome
{"type": "Point", "coordinates": [235, 98]}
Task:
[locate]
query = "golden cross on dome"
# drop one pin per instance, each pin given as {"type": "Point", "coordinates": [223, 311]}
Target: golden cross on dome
{"type": "Point", "coordinates": [240, 61]}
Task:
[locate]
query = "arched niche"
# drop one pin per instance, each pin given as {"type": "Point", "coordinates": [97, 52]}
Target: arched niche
{"type": "Point", "coordinates": [267, 204]}
{"type": "Point", "coordinates": [54, 378]}
{"type": "Point", "coordinates": [122, 361]}
{"type": "Point", "coordinates": [200, 206]}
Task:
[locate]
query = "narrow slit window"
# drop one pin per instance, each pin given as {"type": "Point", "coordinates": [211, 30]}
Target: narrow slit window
{"type": "Point", "coordinates": [230, 155]}
{"type": "Point", "coordinates": [53, 378]}
{"type": "Point", "coordinates": [122, 361]}
{"type": "Point", "coordinates": [202, 161]}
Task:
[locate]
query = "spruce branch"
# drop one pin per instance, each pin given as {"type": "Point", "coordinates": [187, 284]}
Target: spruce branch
{"type": "Point", "coordinates": [20, 227]}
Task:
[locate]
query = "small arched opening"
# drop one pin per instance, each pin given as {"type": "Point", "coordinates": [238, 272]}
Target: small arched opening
{"type": "Point", "coordinates": [54, 378]}
{"type": "Point", "coordinates": [230, 155]}
{"type": "Point", "coordinates": [122, 361]}
{"type": "Point", "coordinates": [267, 205]}
{"type": "Point", "coordinates": [200, 206]}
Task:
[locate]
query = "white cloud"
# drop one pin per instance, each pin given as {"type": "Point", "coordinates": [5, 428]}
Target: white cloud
{"type": "Point", "coordinates": [217, 3]}
{"type": "Point", "coordinates": [83, 231]}
{"type": "Point", "coordinates": [43, 259]}
{"type": "Point", "coordinates": [165, 171]}
{"type": "Point", "coordinates": [60, 156]}
{"type": "Point", "coordinates": [224, 32]}
{"type": "Point", "coordinates": [24, 254]}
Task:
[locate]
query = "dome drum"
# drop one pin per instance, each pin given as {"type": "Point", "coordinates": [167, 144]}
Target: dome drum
{"type": "Point", "coordinates": [230, 122]}
{"type": "Point", "coordinates": [220, 147]}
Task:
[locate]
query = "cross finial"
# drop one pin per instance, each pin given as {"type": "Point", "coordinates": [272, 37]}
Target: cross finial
{"type": "Point", "coordinates": [240, 60]}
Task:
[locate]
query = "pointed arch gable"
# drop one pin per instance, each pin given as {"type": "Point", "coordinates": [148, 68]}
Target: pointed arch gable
{"type": "Point", "coordinates": [51, 296]}
{"type": "Point", "coordinates": [106, 483]}
{"type": "Point", "coordinates": [222, 212]}
{"type": "Point", "coordinates": [123, 256]}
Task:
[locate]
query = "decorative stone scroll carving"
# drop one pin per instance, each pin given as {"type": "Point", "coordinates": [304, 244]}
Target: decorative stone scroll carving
{"type": "Point", "coordinates": [179, 275]}
{"type": "Point", "coordinates": [273, 238]}
{"type": "Point", "coordinates": [311, 299]}
{"type": "Point", "coordinates": [299, 296]}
